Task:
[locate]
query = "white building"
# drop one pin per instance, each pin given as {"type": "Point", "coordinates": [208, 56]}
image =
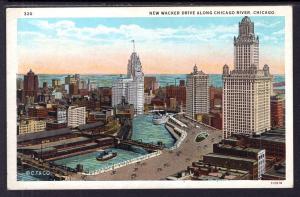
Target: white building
{"type": "Point", "coordinates": [57, 95]}
{"type": "Point", "coordinates": [61, 115]}
{"type": "Point", "coordinates": [76, 116]}
{"type": "Point", "coordinates": [197, 99]}
{"type": "Point", "coordinates": [246, 89]}
{"type": "Point", "coordinates": [83, 84]}
{"type": "Point", "coordinates": [131, 87]}
{"type": "Point", "coordinates": [261, 160]}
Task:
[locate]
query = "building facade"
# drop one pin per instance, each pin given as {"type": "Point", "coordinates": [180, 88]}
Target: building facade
{"type": "Point", "coordinates": [31, 126]}
{"type": "Point", "coordinates": [277, 111]}
{"type": "Point", "coordinates": [55, 83]}
{"type": "Point", "coordinates": [177, 92]}
{"type": "Point", "coordinates": [61, 115]}
{"type": "Point", "coordinates": [197, 101]}
{"type": "Point", "coordinates": [76, 116]}
{"type": "Point", "coordinates": [246, 89]}
{"type": "Point", "coordinates": [132, 87]}
{"type": "Point", "coordinates": [31, 84]}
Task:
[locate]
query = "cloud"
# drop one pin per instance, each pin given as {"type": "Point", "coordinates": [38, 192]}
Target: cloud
{"type": "Point", "coordinates": [266, 25]}
{"type": "Point", "coordinates": [279, 33]}
{"type": "Point", "coordinates": [68, 30]}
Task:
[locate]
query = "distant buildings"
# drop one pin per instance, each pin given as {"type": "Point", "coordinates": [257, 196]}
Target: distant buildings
{"type": "Point", "coordinates": [197, 101]}
{"type": "Point", "coordinates": [176, 92]}
{"type": "Point", "coordinates": [70, 79]}
{"type": "Point", "coordinates": [132, 87]}
{"type": "Point", "coordinates": [247, 90]}
{"type": "Point", "coordinates": [76, 116]}
{"type": "Point", "coordinates": [31, 84]}
{"type": "Point", "coordinates": [55, 83]}
{"type": "Point", "coordinates": [20, 84]}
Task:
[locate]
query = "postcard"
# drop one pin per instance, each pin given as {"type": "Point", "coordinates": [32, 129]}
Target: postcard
{"type": "Point", "coordinates": [149, 97]}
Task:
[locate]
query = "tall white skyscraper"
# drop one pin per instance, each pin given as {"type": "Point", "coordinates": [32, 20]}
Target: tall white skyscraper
{"type": "Point", "coordinates": [246, 89]}
{"type": "Point", "coordinates": [197, 101]}
{"type": "Point", "coordinates": [131, 87]}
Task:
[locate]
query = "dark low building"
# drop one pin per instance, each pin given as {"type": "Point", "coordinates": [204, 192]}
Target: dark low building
{"type": "Point", "coordinates": [277, 172]}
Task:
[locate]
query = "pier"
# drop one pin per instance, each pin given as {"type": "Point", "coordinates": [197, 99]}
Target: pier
{"type": "Point", "coordinates": [169, 161]}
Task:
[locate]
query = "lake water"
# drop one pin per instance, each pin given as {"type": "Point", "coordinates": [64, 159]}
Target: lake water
{"type": "Point", "coordinates": [163, 79]}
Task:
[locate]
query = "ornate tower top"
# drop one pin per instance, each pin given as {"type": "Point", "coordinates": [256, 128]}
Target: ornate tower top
{"type": "Point", "coordinates": [195, 69]}
{"type": "Point", "coordinates": [246, 27]}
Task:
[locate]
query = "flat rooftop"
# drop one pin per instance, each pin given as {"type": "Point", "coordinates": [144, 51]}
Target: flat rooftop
{"type": "Point", "coordinates": [56, 143]}
{"type": "Point", "coordinates": [254, 150]}
{"type": "Point", "coordinates": [230, 157]}
{"type": "Point", "coordinates": [275, 135]}
{"type": "Point", "coordinates": [43, 134]}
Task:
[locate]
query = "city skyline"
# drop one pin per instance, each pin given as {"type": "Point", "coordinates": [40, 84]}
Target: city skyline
{"type": "Point", "coordinates": [102, 45]}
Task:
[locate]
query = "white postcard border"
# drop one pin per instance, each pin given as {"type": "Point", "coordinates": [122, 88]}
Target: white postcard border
{"type": "Point", "coordinates": [14, 13]}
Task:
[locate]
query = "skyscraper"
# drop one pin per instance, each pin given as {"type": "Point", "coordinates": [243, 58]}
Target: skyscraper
{"type": "Point", "coordinates": [197, 101]}
{"type": "Point", "coordinates": [31, 84]}
{"type": "Point", "coordinates": [132, 87]}
{"type": "Point", "coordinates": [247, 90]}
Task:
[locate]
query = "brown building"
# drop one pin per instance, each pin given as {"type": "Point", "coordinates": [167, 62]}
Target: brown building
{"type": "Point", "coordinates": [38, 112]}
{"type": "Point", "coordinates": [149, 83]}
{"type": "Point", "coordinates": [233, 162]}
{"type": "Point", "coordinates": [90, 104]}
{"type": "Point", "coordinates": [277, 111]}
{"type": "Point", "coordinates": [203, 171]}
{"type": "Point", "coordinates": [105, 94]}
{"type": "Point", "coordinates": [55, 125]}
{"type": "Point", "coordinates": [73, 89]}
{"type": "Point", "coordinates": [272, 141]}
{"type": "Point", "coordinates": [182, 82]}
{"type": "Point", "coordinates": [31, 84]}
{"type": "Point", "coordinates": [83, 92]}
{"type": "Point", "coordinates": [215, 97]}
{"type": "Point", "coordinates": [230, 154]}
{"type": "Point", "coordinates": [177, 92]}
{"type": "Point", "coordinates": [213, 119]}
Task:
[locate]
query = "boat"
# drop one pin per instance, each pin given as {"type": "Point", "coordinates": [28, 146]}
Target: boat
{"type": "Point", "coordinates": [105, 155]}
{"type": "Point", "coordinates": [160, 118]}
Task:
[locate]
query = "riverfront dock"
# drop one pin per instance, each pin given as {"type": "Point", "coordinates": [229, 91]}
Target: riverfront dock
{"type": "Point", "coordinates": [169, 161]}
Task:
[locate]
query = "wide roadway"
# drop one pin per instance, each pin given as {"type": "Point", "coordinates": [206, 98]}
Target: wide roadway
{"type": "Point", "coordinates": [169, 162]}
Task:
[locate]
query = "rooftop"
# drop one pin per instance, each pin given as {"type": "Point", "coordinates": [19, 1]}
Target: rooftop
{"type": "Point", "coordinates": [275, 135]}
{"type": "Point", "coordinates": [230, 157]}
{"type": "Point", "coordinates": [91, 125]}
{"type": "Point", "coordinates": [277, 170]}
{"type": "Point", "coordinates": [43, 134]}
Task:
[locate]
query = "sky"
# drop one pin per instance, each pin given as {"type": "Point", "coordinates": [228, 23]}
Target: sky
{"type": "Point", "coordinates": [165, 45]}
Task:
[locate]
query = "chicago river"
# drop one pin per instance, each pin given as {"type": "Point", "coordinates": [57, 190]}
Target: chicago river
{"type": "Point", "coordinates": [167, 163]}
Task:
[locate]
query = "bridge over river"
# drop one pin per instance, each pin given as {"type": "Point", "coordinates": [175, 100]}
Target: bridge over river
{"type": "Point", "coordinates": [146, 146]}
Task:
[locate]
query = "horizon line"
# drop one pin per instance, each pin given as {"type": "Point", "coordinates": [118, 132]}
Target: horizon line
{"type": "Point", "coordinates": [126, 73]}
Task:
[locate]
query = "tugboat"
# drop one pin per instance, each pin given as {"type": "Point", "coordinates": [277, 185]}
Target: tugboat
{"type": "Point", "coordinates": [160, 118]}
{"type": "Point", "coordinates": [105, 155]}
